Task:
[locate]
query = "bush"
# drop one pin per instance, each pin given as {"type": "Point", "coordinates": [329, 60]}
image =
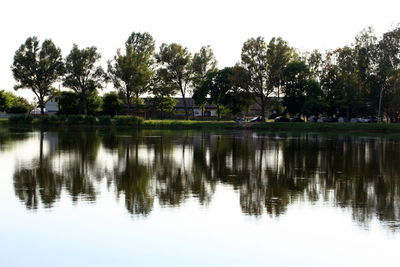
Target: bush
{"type": "Point", "coordinates": [128, 120]}
{"type": "Point", "coordinates": [104, 120]}
{"type": "Point", "coordinates": [20, 119]}
{"type": "Point", "coordinates": [47, 120]}
{"type": "Point", "coordinates": [81, 119]}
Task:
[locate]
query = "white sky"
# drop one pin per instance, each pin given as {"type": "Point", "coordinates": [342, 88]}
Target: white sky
{"type": "Point", "coordinates": [223, 24]}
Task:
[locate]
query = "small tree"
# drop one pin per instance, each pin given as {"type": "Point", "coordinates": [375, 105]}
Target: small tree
{"type": "Point", "coordinates": [175, 69]}
{"type": "Point", "coordinates": [37, 67]}
{"type": "Point", "coordinates": [162, 99]}
{"type": "Point", "coordinates": [11, 103]}
{"type": "Point", "coordinates": [203, 63]}
{"type": "Point", "coordinates": [111, 104]}
{"type": "Point", "coordinates": [83, 76]}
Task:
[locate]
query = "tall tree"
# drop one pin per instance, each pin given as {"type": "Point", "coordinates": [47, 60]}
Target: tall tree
{"type": "Point", "coordinates": [203, 63]}
{"type": "Point", "coordinates": [264, 65]}
{"type": "Point", "coordinates": [83, 75]}
{"type": "Point", "coordinates": [176, 69]}
{"type": "Point", "coordinates": [388, 63]}
{"type": "Point", "coordinates": [37, 67]}
{"type": "Point", "coordinates": [131, 72]}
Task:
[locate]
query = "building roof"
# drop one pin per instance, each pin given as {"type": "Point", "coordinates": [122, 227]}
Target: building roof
{"type": "Point", "coordinates": [190, 103]}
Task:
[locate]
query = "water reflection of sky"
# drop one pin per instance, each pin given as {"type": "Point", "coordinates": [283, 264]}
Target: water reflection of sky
{"type": "Point", "coordinates": [193, 209]}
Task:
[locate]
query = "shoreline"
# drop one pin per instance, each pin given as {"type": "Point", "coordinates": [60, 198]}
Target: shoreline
{"type": "Point", "coordinates": [218, 125]}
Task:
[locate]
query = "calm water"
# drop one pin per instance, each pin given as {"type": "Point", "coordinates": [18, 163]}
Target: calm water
{"type": "Point", "coordinates": [187, 198]}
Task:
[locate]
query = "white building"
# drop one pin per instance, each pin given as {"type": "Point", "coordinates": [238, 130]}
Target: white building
{"type": "Point", "coordinates": [51, 107]}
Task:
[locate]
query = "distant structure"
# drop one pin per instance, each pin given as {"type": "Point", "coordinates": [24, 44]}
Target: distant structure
{"type": "Point", "coordinates": [50, 108]}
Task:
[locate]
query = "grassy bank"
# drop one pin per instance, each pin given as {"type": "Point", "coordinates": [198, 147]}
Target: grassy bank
{"type": "Point", "coordinates": [137, 122]}
{"type": "Point", "coordinates": [273, 126]}
{"type": "Point", "coordinates": [74, 120]}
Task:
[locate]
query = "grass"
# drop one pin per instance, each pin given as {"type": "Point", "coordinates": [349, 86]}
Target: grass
{"type": "Point", "coordinates": [273, 126]}
{"type": "Point", "coordinates": [83, 120]}
{"type": "Point", "coordinates": [137, 122]}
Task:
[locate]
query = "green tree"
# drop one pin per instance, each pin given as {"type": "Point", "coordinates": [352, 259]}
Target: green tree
{"type": "Point", "coordinates": [6, 99]}
{"type": "Point", "coordinates": [264, 65]}
{"type": "Point", "coordinates": [296, 75]}
{"type": "Point", "coordinates": [203, 63]}
{"type": "Point", "coordinates": [37, 67]}
{"type": "Point", "coordinates": [20, 105]}
{"type": "Point", "coordinates": [176, 69]}
{"type": "Point", "coordinates": [111, 104]}
{"type": "Point", "coordinates": [303, 94]}
{"type": "Point", "coordinates": [83, 75]}
{"type": "Point", "coordinates": [163, 103]}
{"type": "Point", "coordinates": [68, 103]}
{"type": "Point", "coordinates": [162, 99]}
{"type": "Point", "coordinates": [131, 72]}
{"type": "Point", "coordinates": [388, 64]}
{"type": "Point", "coordinates": [11, 103]}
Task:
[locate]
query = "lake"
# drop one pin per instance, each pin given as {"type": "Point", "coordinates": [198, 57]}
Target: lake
{"type": "Point", "coordinates": [106, 197]}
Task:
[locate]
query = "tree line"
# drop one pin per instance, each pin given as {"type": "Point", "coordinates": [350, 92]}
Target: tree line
{"type": "Point", "coordinates": [360, 79]}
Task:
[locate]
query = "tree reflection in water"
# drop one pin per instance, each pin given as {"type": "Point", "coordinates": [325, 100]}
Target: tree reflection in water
{"type": "Point", "coordinates": [269, 171]}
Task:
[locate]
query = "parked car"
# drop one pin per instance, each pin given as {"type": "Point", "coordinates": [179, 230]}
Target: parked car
{"type": "Point", "coordinates": [281, 119]}
{"type": "Point", "coordinates": [256, 119]}
{"type": "Point", "coordinates": [372, 119]}
{"type": "Point", "coordinates": [358, 120]}
{"type": "Point", "coordinates": [326, 119]}
{"type": "Point", "coordinates": [296, 120]}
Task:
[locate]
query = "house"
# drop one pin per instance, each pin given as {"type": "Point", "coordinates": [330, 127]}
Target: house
{"type": "Point", "coordinates": [194, 110]}
{"type": "Point", "coordinates": [51, 107]}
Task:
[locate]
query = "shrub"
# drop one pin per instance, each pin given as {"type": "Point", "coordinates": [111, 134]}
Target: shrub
{"type": "Point", "coordinates": [81, 119]}
{"type": "Point", "coordinates": [128, 120]}
{"type": "Point", "coordinates": [20, 119]}
{"type": "Point", "coordinates": [104, 120]}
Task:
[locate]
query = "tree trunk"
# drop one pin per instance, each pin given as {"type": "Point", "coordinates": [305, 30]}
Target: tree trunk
{"type": "Point", "coordinates": [84, 104]}
{"type": "Point", "coordinates": [218, 112]}
{"type": "Point", "coordinates": [128, 103]}
{"type": "Point", "coordinates": [186, 109]}
{"type": "Point", "coordinates": [380, 105]}
{"type": "Point", "coordinates": [263, 109]}
{"type": "Point", "coordinates": [41, 106]}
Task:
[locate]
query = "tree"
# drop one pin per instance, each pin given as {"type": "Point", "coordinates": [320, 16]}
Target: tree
{"type": "Point", "coordinates": [70, 103]}
{"type": "Point", "coordinates": [203, 63]}
{"type": "Point", "coordinates": [264, 65]}
{"type": "Point", "coordinates": [162, 99]}
{"type": "Point", "coordinates": [176, 69]}
{"type": "Point", "coordinates": [83, 76]}
{"type": "Point", "coordinates": [111, 104]}
{"type": "Point", "coordinates": [6, 99]}
{"type": "Point", "coordinates": [132, 72]}
{"type": "Point", "coordinates": [296, 75]}
{"type": "Point", "coordinates": [37, 67]}
{"type": "Point", "coordinates": [11, 103]}
{"type": "Point", "coordinates": [388, 63]}
{"type": "Point", "coordinates": [163, 103]}
{"type": "Point", "coordinates": [303, 94]}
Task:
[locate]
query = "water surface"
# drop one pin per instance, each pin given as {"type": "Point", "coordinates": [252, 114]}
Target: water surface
{"type": "Point", "coordinates": [83, 197]}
